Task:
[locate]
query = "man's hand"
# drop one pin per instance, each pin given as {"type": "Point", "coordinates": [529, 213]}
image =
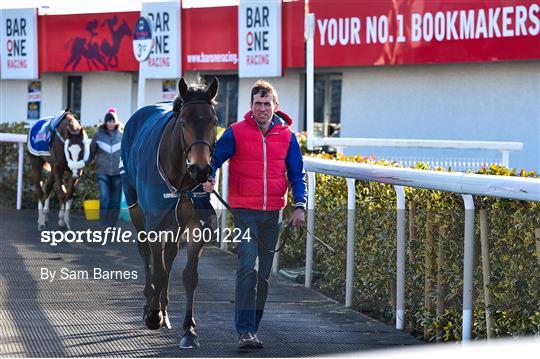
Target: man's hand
{"type": "Point", "coordinates": [208, 186]}
{"type": "Point", "coordinates": [298, 217]}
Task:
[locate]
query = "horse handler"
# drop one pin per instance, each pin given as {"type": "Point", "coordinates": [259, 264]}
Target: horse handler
{"type": "Point", "coordinates": [105, 147]}
{"type": "Point", "coordinates": [264, 155]}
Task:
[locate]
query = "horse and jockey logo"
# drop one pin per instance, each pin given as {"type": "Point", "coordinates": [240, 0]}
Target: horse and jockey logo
{"type": "Point", "coordinates": [103, 55]}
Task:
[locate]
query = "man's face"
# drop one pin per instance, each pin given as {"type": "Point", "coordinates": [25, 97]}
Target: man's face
{"type": "Point", "coordinates": [263, 108]}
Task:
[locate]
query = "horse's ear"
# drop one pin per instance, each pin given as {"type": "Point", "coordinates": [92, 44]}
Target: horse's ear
{"type": "Point", "coordinates": [213, 88]}
{"type": "Point", "coordinates": [182, 89]}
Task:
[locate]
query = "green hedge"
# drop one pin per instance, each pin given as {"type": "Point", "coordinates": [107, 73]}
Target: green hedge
{"type": "Point", "coordinates": [514, 261]}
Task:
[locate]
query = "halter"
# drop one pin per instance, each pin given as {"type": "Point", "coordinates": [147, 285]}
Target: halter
{"type": "Point", "coordinates": [199, 141]}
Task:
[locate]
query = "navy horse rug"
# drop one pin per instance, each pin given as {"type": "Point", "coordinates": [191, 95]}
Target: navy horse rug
{"type": "Point", "coordinates": [41, 133]}
{"type": "Point", "coordinates": [143, 182]}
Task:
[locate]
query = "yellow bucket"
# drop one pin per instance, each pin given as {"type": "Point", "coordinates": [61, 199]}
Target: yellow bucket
{"type": "Point", "coordinates": [91, 209]}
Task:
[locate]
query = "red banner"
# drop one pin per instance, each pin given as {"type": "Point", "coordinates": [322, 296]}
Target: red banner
{"type": "Point", "coordinates": [388, 32]}
{"type": "Point", "coordinates": [210, 38]}
{"type": "Point", "coordinates": [87, 42]}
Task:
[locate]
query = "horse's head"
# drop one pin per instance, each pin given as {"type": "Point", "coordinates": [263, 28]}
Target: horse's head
{"type": "Point", "coordinates": [76, 144]}
{"type": "Point", "coordinates": [198, 121]}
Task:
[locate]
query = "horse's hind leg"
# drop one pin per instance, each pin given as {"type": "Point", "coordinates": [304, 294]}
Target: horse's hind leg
{"type": "Point", "coordinates": [171, 250]}
{"type": "Point", "coordinates": [191, 279]}
{"type": "Point", "coordinates": [45, 194]}
{"type": "Point", "coordinates": [36, 164]}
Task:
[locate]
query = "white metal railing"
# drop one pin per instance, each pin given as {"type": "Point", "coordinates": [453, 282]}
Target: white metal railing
{"type": "Point", "coordinates": [519, 188]}
{"type": "Point", "coordinates": [21, 140]}
{"type": "Point", "coordinates": [503, 147]}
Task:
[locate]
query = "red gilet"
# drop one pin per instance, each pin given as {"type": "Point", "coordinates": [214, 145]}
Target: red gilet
{"type": "Point", "coordinates": [257, 170]}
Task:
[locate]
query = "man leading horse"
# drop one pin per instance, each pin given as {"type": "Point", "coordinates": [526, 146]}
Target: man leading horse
{"type": "Point", "coordinates": [264, 157]}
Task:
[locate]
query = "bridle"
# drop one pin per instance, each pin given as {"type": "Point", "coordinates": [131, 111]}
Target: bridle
{"type": "Point", "coordinates": [71, 152]}
{"type": "Point", "coordinates": [200, 141]}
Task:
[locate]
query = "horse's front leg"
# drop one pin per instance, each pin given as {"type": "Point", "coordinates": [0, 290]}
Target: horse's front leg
{"type": "Point", "coordinates": [171, 250]}
{"type": "Point", "coordinates": [69, 200]}
{"type": "Point", "coordinates": [191, 279]}
{"type": "Point", "coordinates": [154, 316]}
{"type": "Point", "coordinates": [137, 218]}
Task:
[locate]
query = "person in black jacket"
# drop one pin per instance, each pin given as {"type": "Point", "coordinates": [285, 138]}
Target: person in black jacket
{"type": "Point", "coordinates": [105, 148]}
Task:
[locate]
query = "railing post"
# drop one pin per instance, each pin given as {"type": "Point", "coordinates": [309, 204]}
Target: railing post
{"type": "Point", "coordinates": [224, 194]}
{"type": "Point", "coordinates": [20, 176]}
{"type": "Point", "coordinates": [351, 219]}
{"type": "Point", "coordinates": [400, 260]}
{"type": "Point", "coordinates": [468, 247]}
{"type": "Point", "coordinates": [310, 226]}
{"type": "Point", "coordinates": [505, 159]}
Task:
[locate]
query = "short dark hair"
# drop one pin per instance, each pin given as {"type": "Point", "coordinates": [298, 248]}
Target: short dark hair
{"type": "Point", "coordinates": [263, 88]}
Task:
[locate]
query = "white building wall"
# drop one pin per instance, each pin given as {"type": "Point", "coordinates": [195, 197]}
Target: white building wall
{"type": "Point", "coordinates": [53, 94]}
{"type": "Point", "coordinates": [482, 101]}
{"type": "Point", "coordinates": [289, 89]}
{"type": "Point", "coordinates": [102, 90]}
{"type": "Point", "coordinates": [13, 100]}
{"type": "Point", "coordinates": [154, 91]}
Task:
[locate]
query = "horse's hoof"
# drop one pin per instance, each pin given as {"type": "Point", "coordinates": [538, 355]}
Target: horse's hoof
{"type": "Point", "coordinates": [190, 340]}
{"type": "Point", "coordinates": [153, 319]}
{"type": "Point", "coordinates": [166, 321]}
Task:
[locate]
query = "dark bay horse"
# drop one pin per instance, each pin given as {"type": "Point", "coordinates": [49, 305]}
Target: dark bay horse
{"type": "Point", "coordinates": [166, 152]}
{"type": "Point", "coordinates": [69, 149]}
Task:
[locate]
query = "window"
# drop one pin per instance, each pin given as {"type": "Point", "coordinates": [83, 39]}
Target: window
{"type": "Point", "coordinates": [74, 91]}
{"type": "Point", "coordinates": [227, 98]}
{"type": "Point", "coordinates": [327, 112]}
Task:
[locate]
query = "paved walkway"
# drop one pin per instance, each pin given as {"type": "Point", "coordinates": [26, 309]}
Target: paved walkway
{"type": "Point", "coordinates": [103, 317]}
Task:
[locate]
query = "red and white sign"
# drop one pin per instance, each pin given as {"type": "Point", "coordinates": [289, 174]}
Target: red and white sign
{"type": "Point", "coordinates": [19, 46]}
{"type": "Point", "coordinates": [259, 38]}
{"type": "Point", "coordinates": [164, 61]}
{"type": "Point", "coordinates": [87, 42]}
{"type": "Point", "coordinates": [388, 32]}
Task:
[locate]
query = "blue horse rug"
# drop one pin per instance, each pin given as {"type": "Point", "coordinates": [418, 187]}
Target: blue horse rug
{"type": "Point", "coordinates": [142, 180]}
{"type": "Point", "coordinates": [41, 133]}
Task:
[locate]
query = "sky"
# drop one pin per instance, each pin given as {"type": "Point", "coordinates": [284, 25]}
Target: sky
{"type": "Point", "coordinates": [52, 7]}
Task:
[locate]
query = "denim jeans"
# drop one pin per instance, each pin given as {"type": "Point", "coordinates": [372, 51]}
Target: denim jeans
{"type": "Point", "coordinates": [110, 192]}
{"type": "Point", "coordinates": [254, 265]}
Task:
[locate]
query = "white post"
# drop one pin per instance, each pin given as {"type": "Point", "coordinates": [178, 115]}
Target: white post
{"type": "Point", "coordinates": [20, 176]}
{"type": "Point", "coordinates": [468, 247]}
{"type": "Point", "coordinates": [224, 194]}
{"type": "Point", "coordinates": [309, 34]}
{"type": "Point", "coordinates": [275, 260]}
{"type": "Point", "coordinates": [140, 88]}
{"type": "Point", "coordinates": [505, 159]}
{"type": "Point", "coordinates": [400, 260]}
{"type": "Point", "coordinates": [310, 226]}
{"type": "Point", "coordinates": [351, 206]}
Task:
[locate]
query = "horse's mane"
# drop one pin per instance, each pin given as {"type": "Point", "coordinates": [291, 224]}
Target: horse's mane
{"type": "Point", "coordinates": [196, 92]}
